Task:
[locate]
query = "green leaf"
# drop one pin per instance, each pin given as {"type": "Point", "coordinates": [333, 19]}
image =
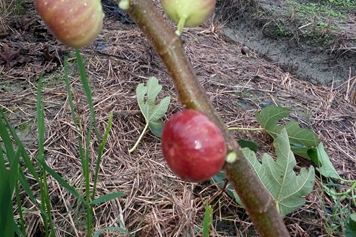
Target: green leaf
{"type": "Point", "coordinates": [313, 156]}
{"type": "Point", "coordinates": [208, 218]}
{"type": "Point", "coordinates": [219, 179]}
{"type": "Point", "coordinates": [87, 89]}
{"type": "Point", "coordinates": [107, 197]}
{"type": "Point", "coordinates": [156, 128]}
{"type": "Point", "coordinates": [303, 136]}
{"type": "Point", "coordinates": [146, 98]}
{"type": "Point", "coordinates": [7, 186]}
{"type": "Point", "coordinates": [249, 144]}
{"type": "Point", "coordinates": [286, 187]}
{"type": "Point", "coordinates": [62, 182]}
{"type": "Point", "coordinates": [350, 230]}
{"type": "Point", "coordinates": [330, 191]}
{"type": "Point", "coordinates": [327, 169]}
{"type": "Point", "coordinates": [100, 152]}
{"type": "Point", "coordinates": [301, 139]}
{"type": "Point", "coordinates": [269, 117]}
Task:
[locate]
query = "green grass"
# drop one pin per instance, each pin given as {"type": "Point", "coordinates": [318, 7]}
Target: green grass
{"type": "Point", "coordinates": [15, 7]}
{"type": "Point", "coordinates": [14, 160]}
{"type": "Point", "coordinates": [337, 215]}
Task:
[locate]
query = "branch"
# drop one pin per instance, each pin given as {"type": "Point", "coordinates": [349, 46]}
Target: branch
{"type": "Point", "coordinates": [256, 199]}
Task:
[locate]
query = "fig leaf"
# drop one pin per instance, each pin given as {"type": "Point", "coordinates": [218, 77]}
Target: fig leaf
{"type": "Point", "coordinates": [286, 187]}
{"type": "Point", "coordinates": [301, 139]}
{"type": "Point", "coordinates": [327, 169]}
{"type": "Point", "coordinates": [146, 98]}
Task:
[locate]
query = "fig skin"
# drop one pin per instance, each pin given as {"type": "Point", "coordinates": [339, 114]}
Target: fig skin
{"type": "Point", "coordinates": [75, 23]}
{"type": "Point", "coordinates": [188, 13]}
{"type": "Point", "coordinates": [193, 146]}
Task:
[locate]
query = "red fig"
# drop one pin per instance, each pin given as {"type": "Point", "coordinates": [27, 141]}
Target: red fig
{"type": "Point", "coordinates": [75, 23]}
{"type": "Point", "coordinates": [193, 146]}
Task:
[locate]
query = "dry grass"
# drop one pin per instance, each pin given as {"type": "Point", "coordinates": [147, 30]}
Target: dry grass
{"type": "Point", "coordinates": [157, 203]}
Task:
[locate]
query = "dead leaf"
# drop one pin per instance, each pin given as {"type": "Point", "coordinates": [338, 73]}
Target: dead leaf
{"type": "Point", "coordinates": [7, 54]}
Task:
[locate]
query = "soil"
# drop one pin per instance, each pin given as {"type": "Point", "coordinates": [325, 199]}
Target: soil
{"type": "Point", "coordinates": [313, 76]}
{"type": "Point", "coordinates": [316, 44]}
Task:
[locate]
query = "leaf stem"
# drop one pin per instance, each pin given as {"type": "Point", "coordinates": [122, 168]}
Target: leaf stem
{"type": "Point", "coordinates": [140, 138]}
{"type": "Point", "coordinates": [246, 129]}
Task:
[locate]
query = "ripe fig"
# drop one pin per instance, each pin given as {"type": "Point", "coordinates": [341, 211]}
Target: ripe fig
{"type": "Point", "coordinates": [193, 146]}
{"type": "Point", "coordinates": [75, 23]}
{"type": "Point", "coordinates": [188, 13]}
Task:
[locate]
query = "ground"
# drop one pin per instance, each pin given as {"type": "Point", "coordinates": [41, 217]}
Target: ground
{"type": "Point", "coordinates": [156, 202]}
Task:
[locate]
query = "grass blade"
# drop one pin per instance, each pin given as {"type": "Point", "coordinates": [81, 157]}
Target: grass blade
{"type": "Point", "coordinates": [62, 182]}
{"type": "Point", "coordinates": [87, 90]}
{"type": "Point", "coordinates": [100, 153]}
{"type": "Point", "coordinates": [107, 197]}
{"type": "Point", "coordinates": [207, 220]}
{"type": "Point", "coordinates": [45, 200]}
{"type": "Point", "coordinates": [9, 179]}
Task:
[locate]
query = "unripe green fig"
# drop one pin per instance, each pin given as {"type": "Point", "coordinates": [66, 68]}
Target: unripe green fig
{"type": "Point", "coordinates": [76, 23]}
{"type": "Point", "coordinates": [188, 13]}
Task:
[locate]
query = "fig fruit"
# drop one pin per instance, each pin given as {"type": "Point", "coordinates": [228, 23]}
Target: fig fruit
{"type": "Point", "coordinates": [188, 13]}
{"type": "Point", "coordinates": [74, 23]}
{"type": "Point", "coordinates": [193, 146]}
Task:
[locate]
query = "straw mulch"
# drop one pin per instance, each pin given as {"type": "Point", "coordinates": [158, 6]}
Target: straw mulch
{"type": "Point", "coordinates": [156, 202]}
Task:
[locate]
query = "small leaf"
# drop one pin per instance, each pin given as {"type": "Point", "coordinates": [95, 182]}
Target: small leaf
{"type": "Point", "coordinates": [300, 150]}
{"type": "Point", "coordinates": [253, 146]}
{"type": "Point", "coordinates": [155, 125]}
{"type": "Point", "coordinates": [313, 155]}
{"type": "Point", "coordinates": [351, 226]}
{"type": "Point", "coordinates": [327, 169]}
{"type": "Point", "coordinates": [219, 179]}
{"type": "Point", "coordinates": [146, 97]}
{"type": "Point", "coordinates": [107, 197]}
{"type": "Point", "coordinates": [330, 190]}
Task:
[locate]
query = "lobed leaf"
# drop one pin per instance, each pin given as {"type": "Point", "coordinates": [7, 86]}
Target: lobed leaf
{"type": "Point", "coordinates": [146, 98]}
{"type": "Point", "coordinates": [269, 117]}
{"type": "Point", "coordinates": [286, 187]}
{"type": "Point", "coordinates": [301, 139]}
{"type": "Point", "coordinates": [303, 136]}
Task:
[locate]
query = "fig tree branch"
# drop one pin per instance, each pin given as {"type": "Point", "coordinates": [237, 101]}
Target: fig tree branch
{"type": "Point", "coordinates": [256, 199]}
